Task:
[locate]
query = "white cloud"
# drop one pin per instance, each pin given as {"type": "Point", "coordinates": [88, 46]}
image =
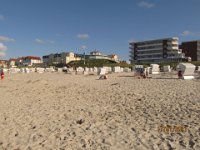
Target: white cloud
{"type": "Point", "coordinates": [51, 42]}
{"type": "Point", "coordinates": [146, 4]}
{"type": "Point", "coordinates": [83, 47]}
{"type": "Point", "coordinates": [6, 39]}
{"type": "Point", "coordinates": [1, 17]}
{"type": "Point", "coordinates": [3, 50]}
{"type": "Point", "coordinates": [190, 33]}
{"type": "Point", "coordinates": [39, 41]}
{"type": "Point", "coordinates": [83, 36]}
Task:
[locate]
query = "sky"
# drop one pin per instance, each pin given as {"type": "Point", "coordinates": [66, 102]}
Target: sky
{"type": "Point", "coordinates": [42, 27]}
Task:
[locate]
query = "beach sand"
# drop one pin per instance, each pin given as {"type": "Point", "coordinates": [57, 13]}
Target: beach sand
{"type": "Point", "coordinates": [55, 111]}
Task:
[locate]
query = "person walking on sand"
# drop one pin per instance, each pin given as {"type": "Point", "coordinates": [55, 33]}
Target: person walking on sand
{"type": "Point", "coordinates": [2, 74]}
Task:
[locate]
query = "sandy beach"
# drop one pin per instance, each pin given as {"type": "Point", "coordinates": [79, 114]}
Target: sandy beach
{"type": "Point", "coordinates": [56, 111]}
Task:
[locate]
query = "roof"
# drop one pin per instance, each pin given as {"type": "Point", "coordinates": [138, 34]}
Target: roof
{"type": "Point", "coordinates": [32, 57]}
{"type": "Point", "coordinates": [188, 65]}
{"type": "Point", "coordinates": [174, 38]}
{"type": "Point", "coordinates": [3, 60]}
{"type": "Point", "coordinates": [191, 41]}
{"type": "Point", "coordinates": [20, 58]}
{"type": "Point", "coordinates": [12, 59]}
{"type": "Point", "coordinates": [112, 55]}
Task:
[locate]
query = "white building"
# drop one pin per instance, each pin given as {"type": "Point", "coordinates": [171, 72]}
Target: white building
{"type": "Point", "coordinates": [98, 55]}
{"type": "Point", "coordinates": [12, 62]}
{"type": "Point", "coordinates": [30, 60]}
{"type": "Point", "coordinates": [24, 61]}
{"type": "Point", "coordinates": [60, 58]}
{"type": "Point", "coordinates": [160, 50]}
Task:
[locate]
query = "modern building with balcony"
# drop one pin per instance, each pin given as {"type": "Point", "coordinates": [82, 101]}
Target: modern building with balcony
{"type": "Point", "coordinates": [191, 49]}
{"type": "Point", "coordinates": [158, 51]}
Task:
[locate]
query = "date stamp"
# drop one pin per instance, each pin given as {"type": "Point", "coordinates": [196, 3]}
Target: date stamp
{"type": "Point", "coordinates": [172, 129]}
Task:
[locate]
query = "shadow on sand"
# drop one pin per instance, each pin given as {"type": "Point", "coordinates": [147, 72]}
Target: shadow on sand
{"type": "Point", "coordinates": [168, 78]}
{"type": "Point", "coordinates": [127, 76]}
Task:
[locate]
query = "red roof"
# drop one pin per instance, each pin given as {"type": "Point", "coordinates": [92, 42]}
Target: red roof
{"type": "Point", "coordinates": [32, 57]}
{"type": "Point", "coordinates": [12, 59]}
{"type": "Point", "coordinates": [27, 57]}
{"type": "Point", "coordinates": [3, 61]}
{"type": "Point", "coordinates": [20, 58]}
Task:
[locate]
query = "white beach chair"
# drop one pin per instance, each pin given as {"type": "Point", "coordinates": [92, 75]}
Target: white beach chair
{"type": "Point", "coordinates": [166, 69]}
{"type": "Point", "coordinates": [102, 71]}
{"type": "Point", "coordinates": [117, 69]}
{"type": "Point", "coordinates": [40, 70]}
{"type": "Point", "coordinates": [26, 70]}
{"type": "Point", "coordinates": [186, 70]}
{"type": "Point", "coordinates": [154, 69]}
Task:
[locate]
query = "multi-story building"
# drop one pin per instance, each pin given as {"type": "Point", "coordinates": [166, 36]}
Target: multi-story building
{"type": "Point", "coordinates": [191, 49]}
{"type": "Point", "coordinates": [160, 50]}
{"type": "Point", "coordinates": [24, 61]}
{"type": "Point", "coordinates": [98, 55]}
{"type": "Point", "coordinates": [31, 60]}
{"type": "Point", "coordinates": [60, 58]}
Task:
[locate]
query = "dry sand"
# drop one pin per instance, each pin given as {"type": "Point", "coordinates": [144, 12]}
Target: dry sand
{"type": "Point", "coordinates": [54, 111]}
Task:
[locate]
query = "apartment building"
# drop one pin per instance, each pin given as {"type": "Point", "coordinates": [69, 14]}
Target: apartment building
{"type": "Point", "coordinates": [160, 50]}
{"type": "Point", "coordinates": [60, 58]}
{"type": "Point", "coordinates": [24, 61]}
{"type": "Point", "coordinates": [31, 60]}
{"type": "Point", "coordinates": [191, 49]}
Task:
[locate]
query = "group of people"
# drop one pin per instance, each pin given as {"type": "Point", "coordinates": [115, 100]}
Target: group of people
{"type": "Point", "coordinates": [2, 74]}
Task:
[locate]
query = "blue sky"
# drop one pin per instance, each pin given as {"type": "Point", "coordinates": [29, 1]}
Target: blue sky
{"type": "Point", "coordinates": [40, 27]}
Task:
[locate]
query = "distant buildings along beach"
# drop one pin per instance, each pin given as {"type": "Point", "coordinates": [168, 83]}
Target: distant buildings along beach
{"type": "Point", "coordinates": [150, 51]}
{"type": "Point", "coordinates": [55, 59]}
{"type": "Point", "coordinates": [66, 57]}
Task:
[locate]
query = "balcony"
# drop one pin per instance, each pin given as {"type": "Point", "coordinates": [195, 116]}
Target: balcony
{"type": "Point", "coordinates": [150, 54]}
{"type": "Point", "coordinates": [172, 42]}
{"type": "Point", "coordinates": [151, 44]}
{"type": "Point", "coordinates": [131, 47]}
{"type": "Point", "coordinates": [172, 47]}
{"type": "Point", "coordinates": [150, 58]}
{"type": "Point", "coordinates": [151, 49]}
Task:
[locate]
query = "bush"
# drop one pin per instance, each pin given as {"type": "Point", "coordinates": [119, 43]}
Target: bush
{"type": "Point", "coordinates": [98, 63]}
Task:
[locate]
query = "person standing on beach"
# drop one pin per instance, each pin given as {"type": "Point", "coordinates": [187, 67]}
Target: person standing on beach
{"type": "Point", "coordinates": [2, 74]}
